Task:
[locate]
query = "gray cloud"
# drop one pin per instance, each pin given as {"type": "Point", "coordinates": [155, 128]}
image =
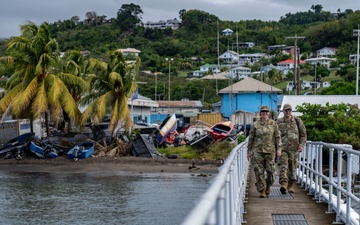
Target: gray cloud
{"type": "Point", "coordinates": [13, 13]}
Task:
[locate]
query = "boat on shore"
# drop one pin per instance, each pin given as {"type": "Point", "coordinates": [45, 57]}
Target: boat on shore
{"type": "Point", "coordinates": [82, 151]}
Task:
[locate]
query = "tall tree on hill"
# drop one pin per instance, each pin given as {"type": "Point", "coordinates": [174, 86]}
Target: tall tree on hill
{"type": "Point", "coordinates": [36, 87]}
{"type": "Point", "coordinates": [128, 16]}
{"type": "Point", "coordinates": [111, 85]}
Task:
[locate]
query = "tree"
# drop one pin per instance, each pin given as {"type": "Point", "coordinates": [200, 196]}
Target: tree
{"type": "Point", "coordinates": [337, 123]}
{"type": "Point", "coordinates": [36, 86]}
{"type": "Point", "coordinates": [321, 72]}
{"type": "Point", "coordinates": [317, 8]}
{"type": "Point", "coordinates": [128, 16]}
{"type": "Point", "coordinates": [111, 84]}
{"type": "Point", "coordinates": [92, 18]}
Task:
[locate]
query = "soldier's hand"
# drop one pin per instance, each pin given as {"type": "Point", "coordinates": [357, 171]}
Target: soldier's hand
{"type": "Point", "coordinates": [278, 154]}
{"type": "Point", "coordinates": [249, 156]}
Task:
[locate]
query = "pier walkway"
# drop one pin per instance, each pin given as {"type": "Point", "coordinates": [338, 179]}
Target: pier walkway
{"type": "Point", "coordinates": [298, 208]}
{"type": "Point", "coordinates": [320, 198]}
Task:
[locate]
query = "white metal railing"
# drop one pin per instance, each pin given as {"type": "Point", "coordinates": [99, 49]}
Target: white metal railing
{"type": "Point", "coordinates": [335, 185]}
{"type": "Point", "coordinates": [223, 202]}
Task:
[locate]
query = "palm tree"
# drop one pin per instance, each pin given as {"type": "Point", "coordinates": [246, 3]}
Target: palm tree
{"type": "Point", "coordinates": [74, 64]}
{"type": "Point", "coordinates": [36, 86]}
{"type": "Point", "coordinates": [110, 89]}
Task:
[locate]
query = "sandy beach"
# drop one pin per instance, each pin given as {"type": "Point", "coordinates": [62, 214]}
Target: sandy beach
{"type": "Point", "coordinates": [98, 164]}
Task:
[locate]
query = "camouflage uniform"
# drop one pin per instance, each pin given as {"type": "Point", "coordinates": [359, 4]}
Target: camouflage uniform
{"type": "Point", "coordinates": [264, 140]}
{"type": "Point", "coordinates": [291, 140]}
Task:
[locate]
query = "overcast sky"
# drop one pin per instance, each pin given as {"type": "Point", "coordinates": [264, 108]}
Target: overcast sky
{"type": "Point", "coordinates": [13, 13]}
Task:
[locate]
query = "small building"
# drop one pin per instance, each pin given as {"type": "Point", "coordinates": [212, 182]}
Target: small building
{"type": "Point", "coordinates": [227, 32]}
{"type": "Point", "coordinates": [323, 61]}
{"type": "Point", "coordinates": [250, 59]}
{"type": "Point", "coordinates": [288, 64]}
{"type": "Point", "coordinates": [353, 58]}
{"type": "Point", "coordinates": [327, 52]}
{"type": "Point", "coordinates": [162, 24]}
{"type": "Point", "coordinates": [129, 51]}
{"type": "Point", "coordinates": [240, 72]}
{"type": "Point", "coordinates": [248, 95]}
{"type": "Point", "coordinates": [229, 57]}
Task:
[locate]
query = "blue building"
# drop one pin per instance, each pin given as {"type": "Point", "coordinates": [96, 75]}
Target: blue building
{"type": "Point", "coordinates": [248, 95]}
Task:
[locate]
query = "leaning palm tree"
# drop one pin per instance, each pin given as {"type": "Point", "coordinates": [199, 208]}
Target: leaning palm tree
{"type": "Point", "coordinates": [111, 85]}
{"type": "Point", "coordinates": [36, 86]}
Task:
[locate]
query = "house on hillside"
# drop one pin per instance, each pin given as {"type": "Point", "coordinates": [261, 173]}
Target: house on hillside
{"type": "Point", "coordinates": [162, 24]}
{"type": "Point", "coordinates": [240, 72]}
{"type": "Point", "coordinates": [287, 64]}
{"type": "Point", "coordinates": [323, 61]}
{"type": "Point", "coordinates": [250, 59]}
{"type": "Point", "coordinates": [212, 68]}
{"type": "Point", "coordinates": [129, 51]}
{"type": "Point", "coordinates": [248, 95]}
{"type": "Point", "coordinates": [229, 57]}
{"type": "Point", "coordinates": [327, 52]}
{"type": "Point", "coordinates": [227, 32]}
{"type": "Point", "coordinates": [353, 58]}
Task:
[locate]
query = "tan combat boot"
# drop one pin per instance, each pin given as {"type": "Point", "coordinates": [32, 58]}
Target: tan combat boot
{"type": "Point", "coordinates": [290, 187]}
{"type": "Point", "coordinates": [262, 194]}
{"type": "Point", "coordinates": [267, 191]}
{"type": "Point", "coordinates": [283, 187]}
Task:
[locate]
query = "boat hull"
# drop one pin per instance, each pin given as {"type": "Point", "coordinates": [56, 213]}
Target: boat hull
{"type": "Point", "coordinates": [86, 149]}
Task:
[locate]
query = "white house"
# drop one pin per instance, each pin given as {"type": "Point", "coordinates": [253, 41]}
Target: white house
{"type": "Point", "coordinates": [240, 72]}
{"type": "Point", "coordinates": [353, 58]}
{"type": "Point", "coordinates": [323, 61]}
{"type": "Point", "coordinates": [162, 24]}
{"type": "Point", "coordinates": [250, 58]}
{"type": "Point", "coordinates": [327, 52]}
{"type": "Point", "coordinates": [229, 57]}
{"type": "Point", "coordinates": [129, 51]}
{"type": "Point", "coordinates": [214, 68]}
{"type": "Point", "coordinates": [246, 44]}
{"type": "Point", "coordinates": [227, 32]}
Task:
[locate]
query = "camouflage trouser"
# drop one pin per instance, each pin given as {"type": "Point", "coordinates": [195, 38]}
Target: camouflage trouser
{"type": "Point", "coordinates": [288, 164]}
{"type": "Point", "coordinates": [263, 162]}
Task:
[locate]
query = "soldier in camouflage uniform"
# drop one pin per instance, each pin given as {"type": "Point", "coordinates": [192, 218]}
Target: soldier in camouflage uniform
{"type": "Point", "coordinates": [293, 138]}
{"type": "Point", "coordinates": [264, 140]}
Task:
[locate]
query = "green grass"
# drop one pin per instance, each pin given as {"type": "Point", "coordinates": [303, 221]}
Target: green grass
{"type": "Point", "coordinates": [216, 151]}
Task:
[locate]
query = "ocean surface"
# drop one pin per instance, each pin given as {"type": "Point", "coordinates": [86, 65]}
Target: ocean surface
{"type": "Point", "coordinates": [98, 198]}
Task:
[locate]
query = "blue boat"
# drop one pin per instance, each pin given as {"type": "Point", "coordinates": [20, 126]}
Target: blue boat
{"type": "Point", "coordinates": [41, 152]}
{"type": "Point", "coordinates": [81, 151]}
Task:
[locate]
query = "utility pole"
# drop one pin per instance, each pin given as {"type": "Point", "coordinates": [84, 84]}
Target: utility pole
{"type": "Point", "coordinates": [296, 56]}
{"type": "Point", "coordinates": [357, 33]}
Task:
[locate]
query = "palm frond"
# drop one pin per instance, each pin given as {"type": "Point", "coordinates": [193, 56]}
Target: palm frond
{"type": "Point", "coordinates": [24, 98]}
{"type": "Point", "coordinates": [40, 103]}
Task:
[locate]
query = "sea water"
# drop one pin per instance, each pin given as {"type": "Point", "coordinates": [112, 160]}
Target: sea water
{"type": "Point", "coordinates": [98, 198]}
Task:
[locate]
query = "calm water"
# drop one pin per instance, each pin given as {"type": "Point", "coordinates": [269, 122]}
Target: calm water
{"type": "Point", "coordinates": [98, 198]}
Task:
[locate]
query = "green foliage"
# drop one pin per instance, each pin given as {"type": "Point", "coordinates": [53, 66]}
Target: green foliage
{"type": "Point", "coordinates": [339, 88]}
{"type": "Point", "coordinates": [337, 123]}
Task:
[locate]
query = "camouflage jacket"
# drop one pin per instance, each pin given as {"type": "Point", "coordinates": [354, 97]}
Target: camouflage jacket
{"type": "Point", "coordinates": [264, 137]}
{"type": "Point", "coordinates": [291, 135]}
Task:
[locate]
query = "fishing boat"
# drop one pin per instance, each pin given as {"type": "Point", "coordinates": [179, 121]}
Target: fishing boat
{"type": "Point", "coordinates": [222, 130]}
{"type": "Point", "coordinates": [42, 152]}
{"type": "Point", "coordinates": [16, 147]}
{"type": "Point", "coordinates": [82, 151]}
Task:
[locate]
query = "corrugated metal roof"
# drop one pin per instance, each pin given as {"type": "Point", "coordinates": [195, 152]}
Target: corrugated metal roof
{"type": "Point", "coordinates": [183, 104]}
{"type": "Point", "coordinates": [295, 100]}
{"type": "Point", "coordinates": [250, 85]}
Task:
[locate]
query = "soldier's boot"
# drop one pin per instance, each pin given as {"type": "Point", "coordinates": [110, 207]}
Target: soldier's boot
{"type": "Point", "coordinates": [262, 194]}
{"type": "Point", "coordinates": [267, 190]}
{"type": "Point", "coordinates": [290, 187]}
{"type": "Point", "coordinates": [283, 187]}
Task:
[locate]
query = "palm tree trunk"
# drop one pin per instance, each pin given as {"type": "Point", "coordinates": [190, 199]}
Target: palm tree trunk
{"type": "Point", "coordinates": [47, 124]}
